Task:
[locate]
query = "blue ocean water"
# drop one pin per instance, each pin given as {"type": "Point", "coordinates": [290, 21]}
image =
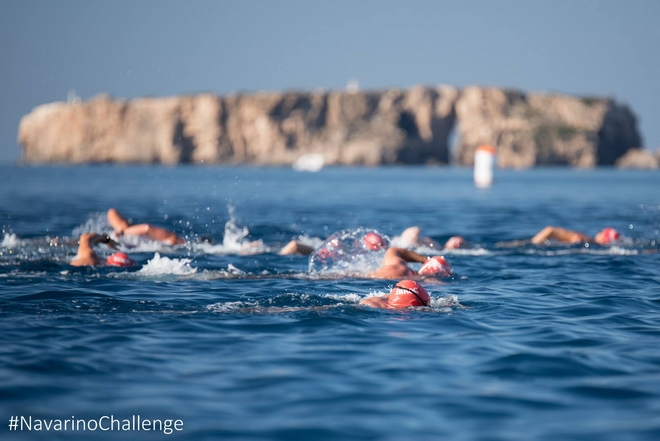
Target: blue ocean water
{"type": "Point", "coordinates": [524, 342]}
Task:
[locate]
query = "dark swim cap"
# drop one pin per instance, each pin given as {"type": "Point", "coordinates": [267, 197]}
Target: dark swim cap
{"type": "Point", "coordinates": [374, 241]}
{"type": "Point", "coordinates": [408, 293]}
{"type": "Point", "coordinates": [121, 260]}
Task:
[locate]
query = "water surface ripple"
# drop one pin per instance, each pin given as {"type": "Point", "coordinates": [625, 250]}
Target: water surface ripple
{"type": "Point", "coordinates": [524, 342]}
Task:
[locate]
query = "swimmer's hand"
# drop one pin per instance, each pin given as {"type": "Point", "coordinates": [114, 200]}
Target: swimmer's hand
{"type": "Point", "coordinates": [109, 242]}
{"type": "Point", "coordinates": [94, 239]}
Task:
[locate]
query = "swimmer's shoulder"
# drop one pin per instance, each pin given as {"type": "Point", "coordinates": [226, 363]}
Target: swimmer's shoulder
{"type": "Point", "coordinates": [375, 302]}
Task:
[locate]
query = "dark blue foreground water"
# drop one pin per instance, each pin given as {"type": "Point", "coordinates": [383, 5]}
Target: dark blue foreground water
{"type": "Point", "coordinates": [523, 343]}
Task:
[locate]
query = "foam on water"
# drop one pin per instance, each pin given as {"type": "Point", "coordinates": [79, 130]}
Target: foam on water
{"type": "Point", "coordinates": [230, 306]}
{"type": "Point", "coordinates": [10, 241]}
{"type": "Point", "coordinates": [344, 298]}
{"type": "Point", "coordinates": [133, 244]}
{"type": "Point", "coordinates": [310, 241]}
{"type": "Point", "coordinates": [158, 266]}
{"type": "Point", "coordinates": [234, 240]}
{"type": "Point", "coordinates": [478, 251]}
{"type": "Point", "coordinates": [97, 223]}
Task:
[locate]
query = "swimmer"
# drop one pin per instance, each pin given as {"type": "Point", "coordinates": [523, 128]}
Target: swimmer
{"type": "Point", "coordinates": [87, 256]}
{"type": "Point", "coordinates": [395, 265]}
{"type": "Point", "coordinates": [603, 237]}
{"type": "Point", "coordinates": [123, 228]}
{"type": "Point", "coordinates": [412, 236]}
{"type": "Point", "coordinates": [405, 294]}
{"type": "Point", "coordinates": [371, 241]}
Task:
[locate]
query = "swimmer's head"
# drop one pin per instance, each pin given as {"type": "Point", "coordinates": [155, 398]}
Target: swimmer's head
{"type": "Point", "coordinates": [121, 260]}
{"type": "Point", "coordinates": [606, 236]}
{"type": "Point", "coordinates": [374, 241]}
{"type": "Point", "coordinates": [455, 242]}
{"type": "Point", "coordinates": [408, 293]}
{"type": "Point", "coordinates": [204, 240]}
{"type": "Point", "coordinates": [325, 255]}
{"type": "Point", "coordinates": [436, 266]}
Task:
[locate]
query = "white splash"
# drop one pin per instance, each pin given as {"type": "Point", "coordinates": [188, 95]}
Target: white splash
{"type": "Point", "coordinates": [457, 251]}
{"type": "Point", "coordinates": [376, 294]}
{"type": "Point", "coordinates": [159, 266]}
{"type": "Point", "coordinates": [231, 269]}
{"type": "Point", "coordinates": [616, 251]}
{"type": "Point", "coordinates": [344, 298]}
{"type": "Point", "coordinates": [445, 301]}
{"type": "Point", "coordinates": [230, 306]}
{"type": "Point", "coordinates": [10, 241]}
{"type": "Point", "coordinates": [135, 244]}
{"type": "Point", "coordinates": [97, 223]}
{"type": "Point", "coordinates": [234, 241]}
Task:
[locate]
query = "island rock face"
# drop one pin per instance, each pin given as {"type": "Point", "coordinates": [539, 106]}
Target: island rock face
{"type": "Point", "coordinates": [639, 158]}
{"type": "Point", "coordinates": [412, 126]}
{"type": "Point", "coordinates": [531, 129]}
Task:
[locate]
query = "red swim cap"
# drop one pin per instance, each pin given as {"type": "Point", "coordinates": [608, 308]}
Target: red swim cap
{"type": "Point", "coordinates": [408, 293]}
{"type": "Point", "coordinates": [324, 255]}
{"type": "Point", "coordinates": [455, 242]}
{"type": "Point", "coordinates": [374, 241]}
{"type": "Point", "coordinates": [608, 235]}
{"type": "Point", "coordinates": [436, 266]}
{"type": "Point", "coordinates": [120, 259]}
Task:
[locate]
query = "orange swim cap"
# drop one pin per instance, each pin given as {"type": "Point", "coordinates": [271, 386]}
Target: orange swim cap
{"type": "Point", "coordinates": [374, 241]}
{"type": "Point", "coordinates": [436, 266]}
{"type": "Point", "coordinates": [455, 242]}
{"type": "Point", "coordinates": [121, 260]}
{"type": "Point", "coordinates": [608, 235]}
{"type": "Point", "coordinates": [408, 293]}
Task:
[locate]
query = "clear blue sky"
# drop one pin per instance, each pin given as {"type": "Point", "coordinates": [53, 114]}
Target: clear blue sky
{"type": "Point", "coordinates": [137, 48]}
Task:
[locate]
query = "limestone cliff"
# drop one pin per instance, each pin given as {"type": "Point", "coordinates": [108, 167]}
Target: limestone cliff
{"type": "Point", "coordinates": [531, 129]}
{"type": "Point", "coordinates": [410, 126]}
{"type": "Point", "coordinates": [639, 158]}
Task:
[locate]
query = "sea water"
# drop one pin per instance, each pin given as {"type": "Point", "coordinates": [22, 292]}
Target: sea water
{"type": "Point", "coordinates": [523, 342]}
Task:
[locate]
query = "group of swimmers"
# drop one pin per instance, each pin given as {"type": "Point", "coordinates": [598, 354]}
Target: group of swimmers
{"type": "Point", "coordinates": [86, 255]}
{"type": "Point", "coordinates": [406, 293]}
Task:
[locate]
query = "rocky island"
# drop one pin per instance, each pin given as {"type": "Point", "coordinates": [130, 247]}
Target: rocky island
{"type": "Point", "coordinates": [420, 125]}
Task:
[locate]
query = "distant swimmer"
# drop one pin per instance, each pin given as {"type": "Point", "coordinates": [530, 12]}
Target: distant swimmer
{"type": "Point", "coordinates": [412, 236]}
{"type": "Point", "coordinates": [373, 241]}
{"type": "Point", "coordinates": [123, 228]}
{"type": "Point", "coordinates": [604, 237]}
{"type": "Point", "coordinates": [295, 247]}
{"type": "Point", "coordinates": [87, 256]}
{"type": "Point", "coordinates": [405, 294]}
{"type": "Point", "coordinates": [395, 265]}
{"type": "Point", "coordinates": [455, 242]}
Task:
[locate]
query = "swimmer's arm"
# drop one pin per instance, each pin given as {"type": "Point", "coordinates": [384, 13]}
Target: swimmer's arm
{"type": "Point", "coordinates": [295, 247]}
{"type": "Point", "coordinates": [86, 255]}
{"type": "Point", "coordinates": [407, 255]}
{"type": "Point", "coordinates": [559, 234]}
{"type": "Point", "coordinates": [375, 302]}
{"type": "Point", "coordinates": [154, 233]}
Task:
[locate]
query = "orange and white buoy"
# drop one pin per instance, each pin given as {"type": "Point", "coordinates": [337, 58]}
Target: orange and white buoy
{"type": "Point", "coordinates": [484, 162]}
